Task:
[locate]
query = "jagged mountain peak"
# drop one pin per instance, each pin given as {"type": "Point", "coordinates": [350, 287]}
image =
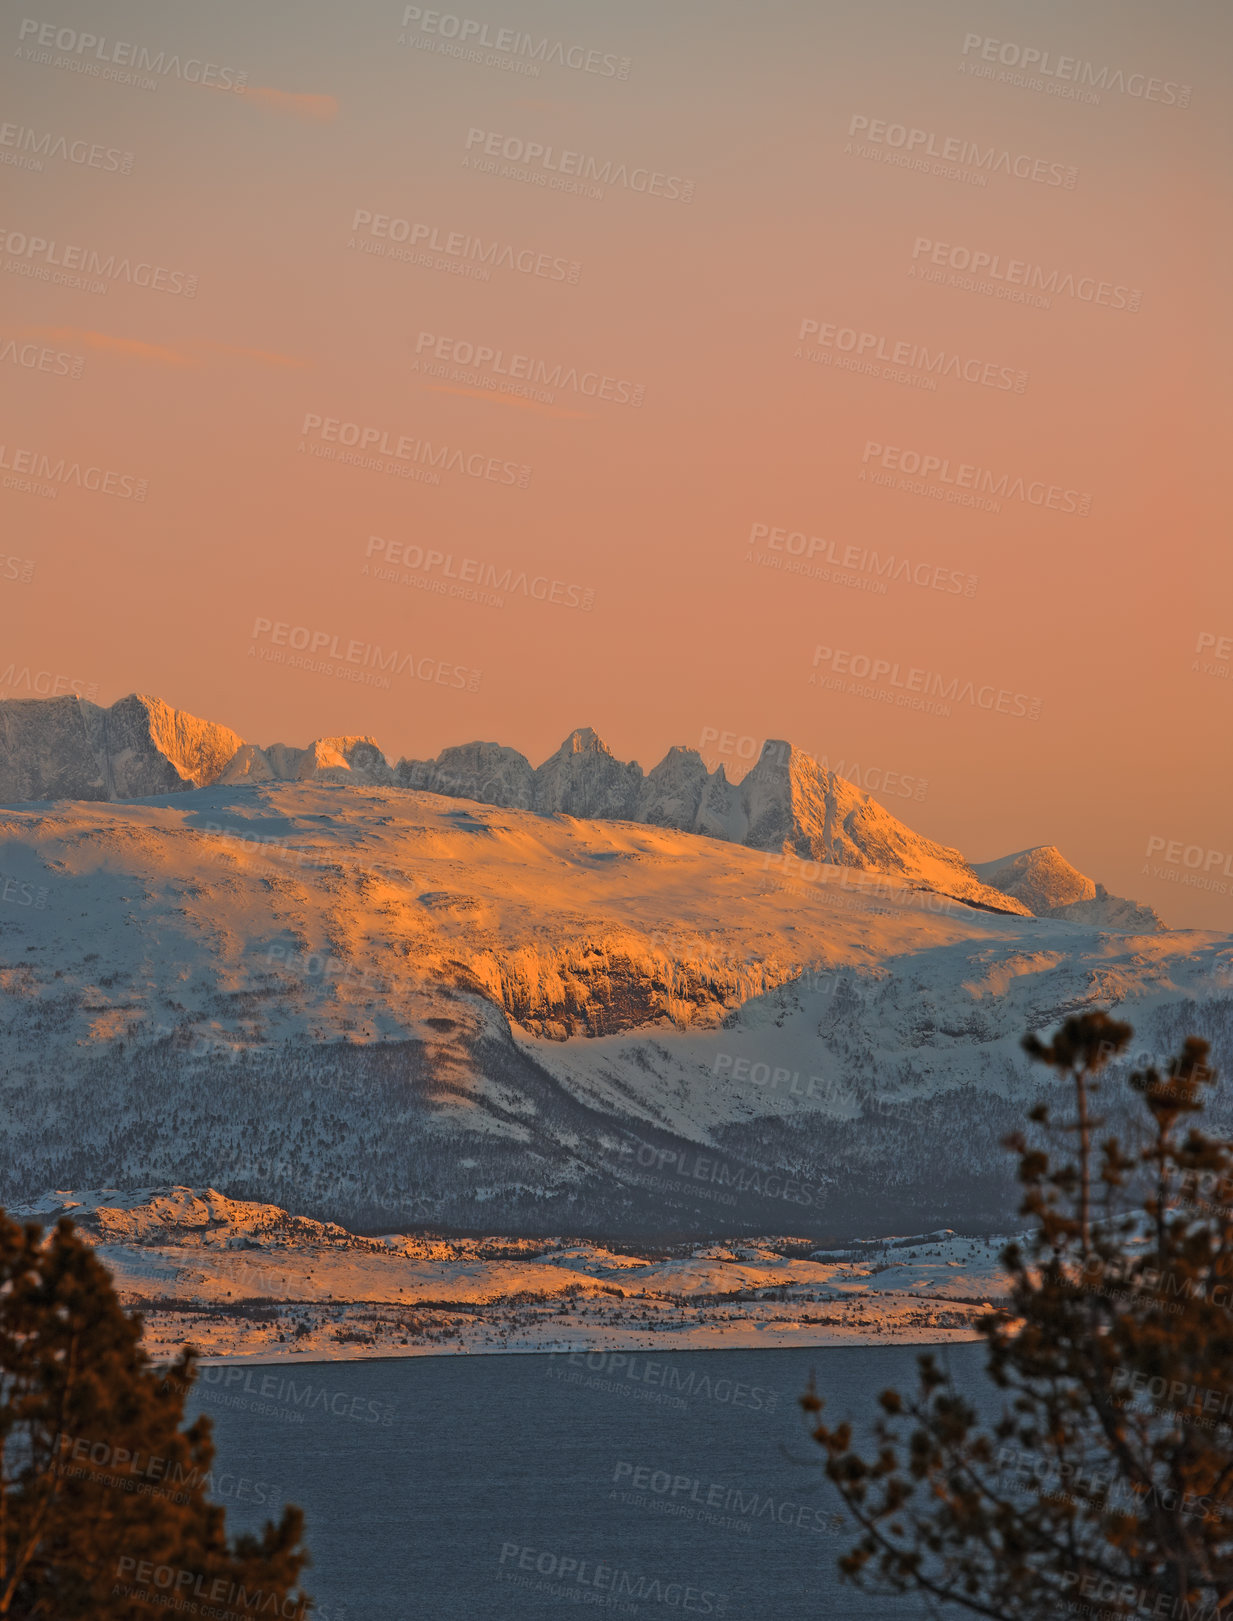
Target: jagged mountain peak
{"type": "Point", "coordinates": [584, 778]}
{"type": "Point", "coordinates": [782, 763]}
{"type": "Point", "coordinates": [349, 741]}
{"type": "Point", "coordinates": [680, 758]}
{"type": "Point", "coordinates": [1039, 876]}
{"type": "Point", "coordinates": [778, 754]}
{"type": "Point", "coordinates": [585, 740]}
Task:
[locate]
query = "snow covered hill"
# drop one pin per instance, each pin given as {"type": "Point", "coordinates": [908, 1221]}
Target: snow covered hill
{"type": "Point", "coordinates": [1049, 886]}
{"type": "Point", "coordinates": [384, 1007]}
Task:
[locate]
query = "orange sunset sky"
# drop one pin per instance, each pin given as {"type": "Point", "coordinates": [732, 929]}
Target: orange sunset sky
{"type": "Point", "coordinates": [772, 171]}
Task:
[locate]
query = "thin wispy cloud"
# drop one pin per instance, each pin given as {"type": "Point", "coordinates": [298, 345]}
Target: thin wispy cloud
{"type": "Point", "coordinates": [194, 352]}
{"type": "Point", "coordinates": [316, 109]}
{"type": "Point", "coordinates": [107, 343]}
{"type": "Point", "coordinates": [262, 357]}
{"type": "Point", "coordinates": [498, 398]}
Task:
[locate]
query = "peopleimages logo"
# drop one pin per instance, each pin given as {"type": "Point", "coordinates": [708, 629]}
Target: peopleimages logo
{"type": "Point", "coordinates": [853, 890]}
{"type": "Point", "coordinates": [173, 1586]}
{"type": "Point", "coordinates": [1220, 647]}
{"type": "Point", "coordinates": [36, 256]}
{"type": "Point", "coordinates": [514, 368]}
{"type": "Point", "coordinates": [31, 147]}
{"type": "Point", "coordinates": [803, 549]}
{"type": "Point", "coordinates": [708, 1501]}
{"type": "Point", "coordinates": [1022, 274]}
{"type": "Point", "coordinates": [914, 356]}
{"type": "Point", "coordinates": [324, 652]}
{"type": "Point", "coordinates": [307, 1397]}
{"type": "Point", "coordinates": [720, 1173]}
{"type": "Point", "coordinates": [39, 357]}
{"type": "Point", "coordinates": [471, 571]}
{"type": "Point", "coordinates": [120, 53]}
{"type": "Point", "coordinates": [24, 468]}
{"type": "Point", "coordinates": [917, 686]}
{"type": "Point", "coordinates": [979, 480]}
{"type": "Point", "coordinates": [16, 568]}
{"type": "Point", "coordinates": [524, 48]}
{"type": "Point", "coordinates": [361, 438]}
{"type": "Point", "coordinates": [469, 250]}
{"type": "Point", "coordinates": [671, 1377]}
{"type": "Point", "coordinates": [874, 779]}
{"type": "Point", "coordinates": [15, 679]}
{"type": "Point", "coordinates": [574, 166]}
{"type": "Point", "coordinates": [774, 1080]}
{"type": "Point", "coordinates": [1178, 1395]}
{"type": "Point", "coordinates": [1071, 75]}
{"type": "Point", "coordinates": [153, 1471]}
{"type": "Point", "coordinates": [613, 1580]}
{"type": "Point", "coordinates": [967, 153]}
{"type": "Point", "coordinates": [1192, 856]}
{"type": "Point", "coordinates": [18, 892]}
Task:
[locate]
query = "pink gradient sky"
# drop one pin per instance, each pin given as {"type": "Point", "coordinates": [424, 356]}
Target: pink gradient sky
{"type": "Point", "coordinates": [1097, 616]}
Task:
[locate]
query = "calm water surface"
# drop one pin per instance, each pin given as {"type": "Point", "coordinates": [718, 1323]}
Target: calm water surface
{"type": "Point", "coordinates": [437, 1488]}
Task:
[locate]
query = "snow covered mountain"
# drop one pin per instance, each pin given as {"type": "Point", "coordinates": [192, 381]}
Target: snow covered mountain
{"type": "Point", "coordinates": [383, 1007]}
{"type": "Point", "coordinates": [69, 748]}
{"type": "Point", "coordinates": [1049, 886]}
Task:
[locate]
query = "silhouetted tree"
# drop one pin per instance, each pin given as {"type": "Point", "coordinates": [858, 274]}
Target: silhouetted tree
{"type": "Point", "coordinates": [1104, 1484]}
{"type": "Point", "coordinates": [104, 1507]}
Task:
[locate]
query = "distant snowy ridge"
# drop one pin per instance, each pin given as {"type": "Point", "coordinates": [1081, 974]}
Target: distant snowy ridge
{"type": "Point", "coordinates": [70, 748]}
{"type": "Point", "coordinates": [196, 1263]}
{"type": "Point", "coordinates": [180, 1215]}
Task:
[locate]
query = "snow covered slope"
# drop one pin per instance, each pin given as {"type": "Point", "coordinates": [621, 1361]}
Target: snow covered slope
{"type": "Point", "coordinates": [384, 1007]}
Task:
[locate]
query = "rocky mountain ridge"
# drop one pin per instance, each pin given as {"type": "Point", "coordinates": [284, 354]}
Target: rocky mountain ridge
{"type": "Point", "coordinates": [787, 805]}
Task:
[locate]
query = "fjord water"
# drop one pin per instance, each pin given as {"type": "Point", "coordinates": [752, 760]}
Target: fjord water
{"type": "Point", "coordinates": [424, 1480]}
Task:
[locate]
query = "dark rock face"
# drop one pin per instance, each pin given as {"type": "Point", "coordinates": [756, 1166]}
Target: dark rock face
{"type": "Point", "coordinates": [487, 772]}
{"type": "Point", "coordinates": [51, 748]}
{"type": "Point", "coordinates": [673, 794]}
{"type": "Point", "coordinates": [154, 749]}
{"type": "Point", "coordinates": [584, 778]}
{"type": "Point", "coordinates": [70, 748]}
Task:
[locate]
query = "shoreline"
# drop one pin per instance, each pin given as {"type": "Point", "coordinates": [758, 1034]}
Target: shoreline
{"type": "Point", "coordinates": [881, 1344]}
{"type": "Point", "coordinates": [752, 1338]}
